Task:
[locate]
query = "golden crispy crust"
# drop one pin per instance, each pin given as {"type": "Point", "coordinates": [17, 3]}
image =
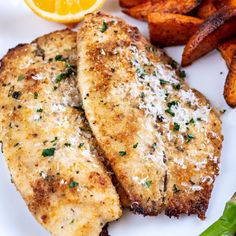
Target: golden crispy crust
{"type": "Point", "coordinates": [129, 92]}
{"type": "Point", "coordinates": [49, 148]}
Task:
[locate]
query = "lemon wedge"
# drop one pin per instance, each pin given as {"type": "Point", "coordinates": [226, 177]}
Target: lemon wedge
{"type": "Point", "coordinates": [64, 11]}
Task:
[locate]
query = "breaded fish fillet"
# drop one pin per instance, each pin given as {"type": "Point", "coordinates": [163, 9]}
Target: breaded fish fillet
{"type": "Point", "coordinates": [48, 145]}
{"type": "Point", "coordinates": [162, 139]}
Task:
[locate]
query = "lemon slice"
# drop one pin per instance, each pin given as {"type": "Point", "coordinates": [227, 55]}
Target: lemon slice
{"type": "Point", "coordinates": [64, 11]}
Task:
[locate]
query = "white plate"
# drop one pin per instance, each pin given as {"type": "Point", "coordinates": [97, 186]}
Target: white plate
{"type": "Point", "coordinates": [19, 25]}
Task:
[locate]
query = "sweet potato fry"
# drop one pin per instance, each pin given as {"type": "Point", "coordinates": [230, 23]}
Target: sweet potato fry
{"type": "Point", "coordinates": [131, 3]}
{"type": "Point", "coordinates": [218, 27]}
{"type": "Point", "coordinates": [168, 29]}
{"type": "Point", "coordinates": [141, 11]}
{"type": "Point", "coordinates": [206, 9]}
{"type": "Point", "coordinates": [230, 84]}
{"type": "Point", "coordinates": [222, 3]}
{"type": "Point", "coordinates": [227, 50]}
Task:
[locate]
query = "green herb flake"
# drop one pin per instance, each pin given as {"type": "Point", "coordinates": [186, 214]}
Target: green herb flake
{"type": "Point", "coordinates": [176, 126]}
{"type": "Point", "coordinates": [21, 77]}
{"type": "Point", "coordinates": [190, 137]}
{"type": "Point", "coordinates": [142, 95]}
{"type": "Point", "coordinates": [135, 145]}
{"type": "Point", "coordinates": [104, 27]}
{"type": "Point", "coordinates": [172, 103]}
{"type": "Point", "coordinates": [50, 60]}
{"type": "Point", "coordinates": [40, 110]}
{"type": "Point", "coordinates": [67, 144]}
{"type": "Point", "coordinates": [72, 221]}
{"type": "Point", "coordinates": [48, 152]}
{"type": "Point", "coordinates": [73, 184]}
{"type": "Point", "coordinates": [70, 70]}
{"type": "Point", "coordinates": [176, 86]}
{"type": "Point", "coordinates": [147, 183]}
{"type": "Point", "coordinates": [199, 119]}
{"type": "Point", "coordinates": [36, 95]}
{"type": "Point", "coordinates": [60, 58]}
{"type": "Point", "coordinates": [162, 82]}
{"type": "Point", "coordinates": [192, 121]}
{"type": "Point", "coordinates": [182, 74]}
{"type": "Point", "coordinates": [122, 153]}
{"type": "Point", "coordinates": [169, 111]}
{"type": "Point", "coordinates": [174, 64]}
{"type": "Point", "coordinates": [81, 145]}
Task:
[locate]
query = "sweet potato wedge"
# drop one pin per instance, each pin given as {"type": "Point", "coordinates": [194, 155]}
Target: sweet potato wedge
{"type": "Point", "coordinates": [131, 3]}
{"type": "Point", "coordinates": [230, 84]}
{"type": "Point", "coordinates": [168, 29]}
{"type": "Point", "coordinates": [218, 27]}
{"type": "Point", "coordinates": [141, 11]}
{"type": "Point", "coordinates": [227, 50]}
{"type": "Point", "coordinates": [222, 3]}
{"type": "Point", "coordinates": [206, 9]}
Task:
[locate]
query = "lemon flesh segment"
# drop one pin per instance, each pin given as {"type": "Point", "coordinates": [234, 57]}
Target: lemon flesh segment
{"type": "Point", "coordinates": [64, 11]}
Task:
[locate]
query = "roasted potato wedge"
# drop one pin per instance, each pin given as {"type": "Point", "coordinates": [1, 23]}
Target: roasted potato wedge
{"type": "Point", "coordinates": [230, 84]}
{"type": "Point", "coordinates": [131, 3]}
{"type": "Point", "coordinates": [222, 3]}
{"type": "Point", "coordinates": [168, 29]}
{"type": "Point", "coordinates": [167, 6]}
{"type": "Point", "coordinates": [206, 9]}
{"type": "Point", "coordinates": [218, 27]}
{"type": "Point", "coordinates": [227, 50]}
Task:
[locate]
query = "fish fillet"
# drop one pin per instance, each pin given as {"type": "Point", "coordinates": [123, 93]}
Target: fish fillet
{"type": "Point", "coordinates": [162, 139]}
{"type": "Point", "coordinates": [49, 148]}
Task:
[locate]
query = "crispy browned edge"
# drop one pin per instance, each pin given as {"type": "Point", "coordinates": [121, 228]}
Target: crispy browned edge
{"type": "Point", "coordinates": [215, 28]}
{"type": "Point", "coordinates": [40, 192]}
{"type": "Point", "coordinates": [230, 84]}
{"type": "Point", "coordinates": [173, 29]}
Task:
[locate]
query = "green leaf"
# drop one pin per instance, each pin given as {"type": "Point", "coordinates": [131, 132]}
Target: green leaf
{"type": "Point", "coordinates": [135, 145]}
{"type": "Point", "coordinates": [40, 110]}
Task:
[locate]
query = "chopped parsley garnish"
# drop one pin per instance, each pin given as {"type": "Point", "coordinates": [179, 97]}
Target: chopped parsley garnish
{"type": "Point", "coordinates": [176, 86]}
{"type": "Point", "coordinates": [147, 183]}
{"type": "Point", "coordinates": [135, 145]}
{"type": "Point", "coordinates": [182, 74]}
{"type": "Point", "coordinates": [48, 152]}
{"type": "Point", "coordinates": [72, 221]}
{"type": "Point", "coordinates": [199, 119]}
{"type": "Point", "coordinates": [50, 60]}
{"type": "Point", "coordinates": [60, 58]}
{"type": "Point", "coordinates": [69, 71]}
{"type": "Point", "coordinates": [176, 126]}
{"type": "Point", "coordinates": [21, 77]}
{"type": "Point", "coordinates": [40, 110]}
{"type": "Point", "coordinates": [39, 52]}
{"type": "Point", "coordinates": [192, 121]}
{"type": "Point", "coordinates": [67, 144]}
{"type": "Point", "coordinates": [174, 64]}
{"type": "Point", "coordinates": [36, 95]}
{"type": "Point", "coordinates": [169, 111]}
{"type": "Point", "coordinates": [122, 153]}
{"type": "Point", "coordinates": [81, 145]}
{"type": "Point", "coordinates": [73, 184]}
{"type": "Point", "coordinates": [173, 103]}
{"type": "Point", "coordinates": [104, 27]}
{"type": "Point", "coordinates": [190, 137]}
{"type": "Point", "coordinates": [162, 82]}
